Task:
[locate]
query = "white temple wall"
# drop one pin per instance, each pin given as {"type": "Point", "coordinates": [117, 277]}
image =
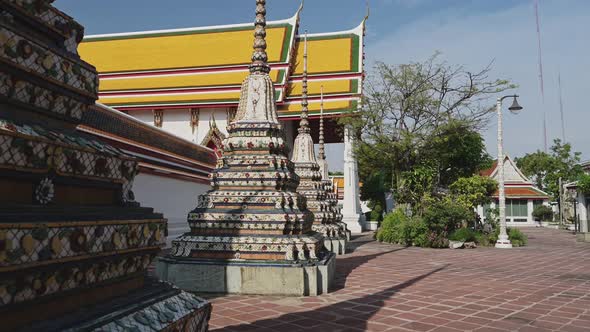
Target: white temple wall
{"type": "Point", "coordinates": [177, 122]}
{"type": "Point", "coordinates": [174, 198]}
{"type": "Point", "coordinates": [143, 116]}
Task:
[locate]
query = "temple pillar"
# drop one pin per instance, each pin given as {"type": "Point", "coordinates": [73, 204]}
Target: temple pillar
{"type": "Point", "coordinates": [351, 207]}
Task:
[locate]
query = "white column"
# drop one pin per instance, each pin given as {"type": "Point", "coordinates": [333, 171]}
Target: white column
{"type": "Point", "coordinates": [351, 207]}
{"type": "Point", "coordinates": [530, 208]}
{"type": "Point", "coordinates": [583, 213]}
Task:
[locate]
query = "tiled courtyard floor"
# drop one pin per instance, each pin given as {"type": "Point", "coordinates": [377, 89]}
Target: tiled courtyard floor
{"type": "Point", "coordinates": [544, 286]}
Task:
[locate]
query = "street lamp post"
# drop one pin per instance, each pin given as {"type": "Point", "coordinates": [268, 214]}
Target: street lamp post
{"type": "Point", "coordinates": [503, 241]}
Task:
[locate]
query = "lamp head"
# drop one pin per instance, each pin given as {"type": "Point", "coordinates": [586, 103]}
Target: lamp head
{"type": "Point", "coordinates": [515, 107]}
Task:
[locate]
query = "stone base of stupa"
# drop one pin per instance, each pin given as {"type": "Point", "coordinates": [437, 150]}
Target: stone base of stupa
{"type": "Point", "coordinates": [248, 277]}
{"type": "Point", "coordinates": [157, 306]}
{"type": "Point", "coordinates": [336, 245]}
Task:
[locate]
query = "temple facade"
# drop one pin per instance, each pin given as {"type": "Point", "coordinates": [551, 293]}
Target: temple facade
{"type": "Point", "coordinates": [196, 97]}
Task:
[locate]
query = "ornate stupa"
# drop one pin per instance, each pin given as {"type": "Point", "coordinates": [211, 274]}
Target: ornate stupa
{"type": "Point", "coordinates": [74, 245]}
{"type": "Point", "coordinates": [331, 196]}
{"type": "Point", "coordinates": [252, 228]}
{"type": "Point", "coordinates": [311, 185]}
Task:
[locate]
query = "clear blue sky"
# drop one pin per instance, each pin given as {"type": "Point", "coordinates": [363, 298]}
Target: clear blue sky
{"type": "Point", "coordinates": [467, 32]}
{"type": "Point", "coordinates": [109, 16]}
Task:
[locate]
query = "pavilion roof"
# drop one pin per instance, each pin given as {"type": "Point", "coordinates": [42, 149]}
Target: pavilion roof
{"type": "Point", "coordinates": [523, 192]}
{"type": "Point", "coordinates": [205, 66]}
{"type": "Point", "coordinates": [517, 184]}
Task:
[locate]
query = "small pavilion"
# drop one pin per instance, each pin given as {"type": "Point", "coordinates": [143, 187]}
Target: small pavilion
{"type": "Point", "coordinates": [521, 195]}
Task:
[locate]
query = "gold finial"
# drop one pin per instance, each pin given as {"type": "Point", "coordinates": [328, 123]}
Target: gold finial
{"type": "Point", "coordinates": [304, 123]}
{"type": "Point", "coordinates": [321, 154]}
{"type": "Point", "coordinates": [259, 57]}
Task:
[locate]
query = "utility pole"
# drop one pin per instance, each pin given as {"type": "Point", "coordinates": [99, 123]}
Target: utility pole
{"type": "Point", "coordinates": [561, 107]}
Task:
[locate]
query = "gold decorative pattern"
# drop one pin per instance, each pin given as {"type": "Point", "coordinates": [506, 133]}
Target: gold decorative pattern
{"type": "Point", "coordinates": [194, 122]}
{"type": "Point", "coordinates": [158, 118]}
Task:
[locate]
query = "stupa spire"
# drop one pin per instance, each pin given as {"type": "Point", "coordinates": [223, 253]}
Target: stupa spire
{"type": "Point", "coordinates": [322, 162]}
{"type": "Point", "coordinates": [322, 152]}
{"type": "Point", "coordinates": [304, 123]}
{"type": "Point", "coordinates": [259, 56]}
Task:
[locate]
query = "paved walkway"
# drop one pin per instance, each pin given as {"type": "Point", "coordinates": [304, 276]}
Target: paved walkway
{"type": "Point", "coordinates": [542, 287]}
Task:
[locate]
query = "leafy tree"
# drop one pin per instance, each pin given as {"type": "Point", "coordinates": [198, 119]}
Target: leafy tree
{"type": "Point", "coordinates": [545, 169]}
{"type": "Point", "coordinates": [536, 166]}
{"type": "Point", "coordinates": [416, 187]}
{"type": "Point", "coordinates": [473, 191]}
{"type": "Point", "coordinates": [373, 189]}
{"type": "Point", "coordinates": [584, 183]}
{"type": "Point", "coordinates": [457, 150]}
{"type": "Point", "coordinates": [423, 114]}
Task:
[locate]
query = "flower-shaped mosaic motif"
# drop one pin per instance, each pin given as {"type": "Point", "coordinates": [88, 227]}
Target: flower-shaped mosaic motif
{"type": "Point", "coordinates": [45, 191]}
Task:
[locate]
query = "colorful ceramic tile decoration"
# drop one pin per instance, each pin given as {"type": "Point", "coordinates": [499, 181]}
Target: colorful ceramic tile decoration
{"type": "Point", "coordinates": [252, 210]}
{"type": "Point", "coordinates": [73, 243]}
{"type": "Point", "coordinates": [252, 218]}
{"type": "Point", "coordinates": [311, 183]}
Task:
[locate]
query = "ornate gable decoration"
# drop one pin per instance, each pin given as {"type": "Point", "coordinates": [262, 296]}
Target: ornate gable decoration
{"type": "Point", "coordinates": [214, 138]}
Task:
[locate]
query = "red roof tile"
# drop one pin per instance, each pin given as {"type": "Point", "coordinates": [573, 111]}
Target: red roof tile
{"type": "Point", "coordinates": [522, 192]}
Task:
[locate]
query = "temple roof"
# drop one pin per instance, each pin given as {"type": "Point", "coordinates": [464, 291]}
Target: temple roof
{"type": "Point", "coordinates": [205, 66]}
{"type": "Point", "coordinates": [158, 151]}
{"type": "Point", "coordinates": [523, 192]}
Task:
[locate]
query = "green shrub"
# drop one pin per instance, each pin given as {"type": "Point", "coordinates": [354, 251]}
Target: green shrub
{"type": "Point", "coordinates": [463, 235]}
{"type": "Point", "coordinates": [446, 216]}
{"type": "Point", "coordinates": [389, 230]}
{"type": "Point", "coordinates": [437, 239]}
{"type": "Point", "coordinates": [401, 229]}
{"type": "Point", "coordinates": [543, 213]}
{"type": "Point", "coordinates": [377, 213]}
{"type": "Point", "coordinates": [484, 240]}
{"type": "Point", "coordinates": [517, 238]}
{"type": "Point", "coordinates": [416, 232]}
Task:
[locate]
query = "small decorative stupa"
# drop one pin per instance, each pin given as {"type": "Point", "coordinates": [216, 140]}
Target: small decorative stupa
{"type": "Point", "coordinates": [252, 232]}
{"type": "Point", "coordinates": [311, 185]}
{"type": "Point", "coordinates": [331, 196]}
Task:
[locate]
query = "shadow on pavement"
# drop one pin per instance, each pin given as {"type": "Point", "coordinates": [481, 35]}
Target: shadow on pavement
{"type": "Point", "coordinates": [332, 317]}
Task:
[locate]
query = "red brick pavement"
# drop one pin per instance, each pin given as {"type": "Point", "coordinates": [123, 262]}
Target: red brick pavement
{"type": "Point", "coordinates": [542, 287]}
